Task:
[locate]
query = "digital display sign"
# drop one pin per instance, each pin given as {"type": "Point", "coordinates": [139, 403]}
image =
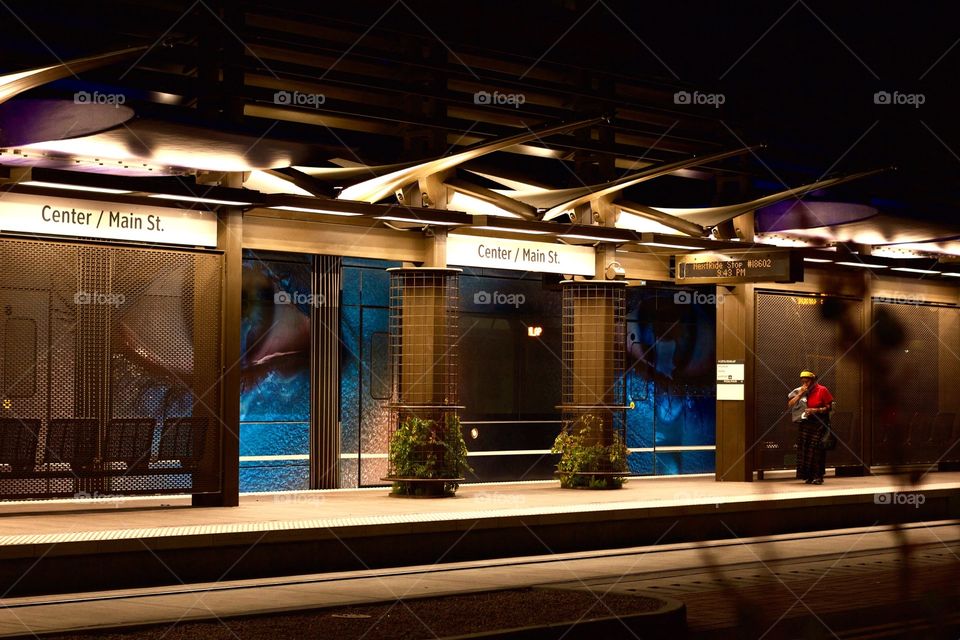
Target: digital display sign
{"type": "Point", "coordinates": [734, 268]}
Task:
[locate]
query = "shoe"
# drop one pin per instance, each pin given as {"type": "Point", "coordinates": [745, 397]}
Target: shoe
{"type": "Point", "coordinates": [808, 481]}
{"type": "Point", "coordinates": [818, 481]}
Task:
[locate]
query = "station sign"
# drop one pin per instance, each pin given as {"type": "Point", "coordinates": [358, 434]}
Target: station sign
{"type": "Point", "coordinates": [75, 217]}
{"type": "Point", "coordinates": [738, 267]}
{"type": "Point", "coordinates": [520, 255]}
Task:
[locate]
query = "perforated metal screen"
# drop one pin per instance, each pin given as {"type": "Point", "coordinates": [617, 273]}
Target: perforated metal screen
{"type": "Point", "coordinates": [109, 370]}
{"type": "Point", "coordinates": [794, 333]}
{"type": "Point", "coordinates": [915, 416]}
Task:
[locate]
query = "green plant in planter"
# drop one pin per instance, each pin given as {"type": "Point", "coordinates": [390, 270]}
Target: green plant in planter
{"type": "Point", "coordinates": [421, 451]}
{"type": "Point", "coordinates": [582, 453]}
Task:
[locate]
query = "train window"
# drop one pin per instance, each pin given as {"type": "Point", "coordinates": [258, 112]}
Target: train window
{"type": "Point", "coordinates": [379, 361]}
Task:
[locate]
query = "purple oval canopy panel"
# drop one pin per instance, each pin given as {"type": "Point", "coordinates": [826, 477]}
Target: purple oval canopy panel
{"type": "Point", "coordinates": [798, 214]}
{"type": "Point", "coordinates": [27, 121]}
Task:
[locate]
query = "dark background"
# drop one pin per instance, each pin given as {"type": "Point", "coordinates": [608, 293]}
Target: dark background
{"type": "Point", "coordinates": [799, 76]}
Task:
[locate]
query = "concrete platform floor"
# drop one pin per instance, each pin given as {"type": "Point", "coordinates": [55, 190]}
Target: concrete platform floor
{"type": "Point", "coordinates": [63, 521]}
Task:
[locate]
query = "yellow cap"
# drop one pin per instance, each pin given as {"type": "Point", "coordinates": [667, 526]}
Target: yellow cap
{"type": "Point", "coordinates": [807, 374]}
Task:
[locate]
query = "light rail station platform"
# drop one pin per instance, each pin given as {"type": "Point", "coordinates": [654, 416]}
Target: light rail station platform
{"type": "Point", "coordinates": [56, 547]}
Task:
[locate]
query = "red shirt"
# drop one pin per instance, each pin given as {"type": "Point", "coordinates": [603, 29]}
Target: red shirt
{"type": "Point", "coordinates": [818, 396]}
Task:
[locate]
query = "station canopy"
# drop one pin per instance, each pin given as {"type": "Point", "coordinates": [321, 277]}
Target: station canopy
{"type": "Point", "coordinates": [328, 115]}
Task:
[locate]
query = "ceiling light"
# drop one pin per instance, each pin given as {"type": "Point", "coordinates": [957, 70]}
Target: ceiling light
{"type": "Point", "coordinates": [167, 196]}
{"type": "Point", "coordinates": [539, 152]}
{"type": "Point", "coordinates": [912, 270]}
{"type": "Point", "coordinates": [621, 237]}
{"type": "Point", "coordinates": [533, 232]}
{"type": "Point", "coordinates": [273, 184]}
{"type": "Point", "coordinates": [166, 98]}
{"type": "Point", "coordinates": [475, 206]}
{"type": "Point", "coordinates": [310, 210]}
{"type": "Point", "coordinates": [780, 241]}
{"type": "Point", "coordinates": [578, 236]}
{"type": "Point", "coordinates": [632, 221]}
{"type": "Point", "coordinates": [71, 187]}
{"type": "Point", "coordinates": [667, 245]}
{"type": "Point", "coordinates": [816, 260]}
{"type": "Point", "coordinates": [863, 265]}
{"type": "Point", "coordinates": [417, 220]}
{"type": "Point", "coordinates": [896, 252]}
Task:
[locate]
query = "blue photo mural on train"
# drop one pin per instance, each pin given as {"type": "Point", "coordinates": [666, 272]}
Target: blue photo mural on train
{"type": "Point", "coordinates": [275, 378]}
{"type": "Point", "coordinates": [670, 382]}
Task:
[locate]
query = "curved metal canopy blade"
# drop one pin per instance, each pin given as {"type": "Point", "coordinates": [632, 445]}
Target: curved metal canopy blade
{"type": "Point", "coordinates": [351, 174]}
{"type": "Point", "coordinates": [171, 144]}
{"type": "Point", "coordinates": [15, 83]}
{"type": "Point", "coordinates": [599, 191]}
{"type": "Point", "coordinates": [546, 199]}
{"type": "Point", "coordinates": [712, 216]}
{"type": "Point", "coordinates": [378, 188]}
{"type": "Point", "coordinates": [495, 198]}
{"type": "Point", "coordinates": [675, 223]}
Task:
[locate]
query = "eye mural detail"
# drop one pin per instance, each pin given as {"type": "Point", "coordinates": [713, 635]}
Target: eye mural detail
{"type": "Point", "coordinates": [670, 366]}
{"type": "Point", "coordinates": [275, 373]}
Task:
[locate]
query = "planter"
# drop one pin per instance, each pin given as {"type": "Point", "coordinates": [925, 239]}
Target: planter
{"type": "Point", "coordinates": [427, 456]}
{"type": "Point", "coordinates": [592, 455]}
{"type": "Point", "coordinates": [424, 488]}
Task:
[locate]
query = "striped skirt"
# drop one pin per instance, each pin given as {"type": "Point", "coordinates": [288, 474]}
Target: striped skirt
{"type": "Point", "coordinates": [811, 459]}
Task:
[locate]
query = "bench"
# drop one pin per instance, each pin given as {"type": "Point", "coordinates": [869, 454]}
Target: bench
{"type": "Point", "coordinates": [18, 443]}
{"type": "Point", "coordinates": [128, 441]}
{"type": "Point", "coordinates": [72, 441]}
{"type": "Point", "coordinates": [183, 440]}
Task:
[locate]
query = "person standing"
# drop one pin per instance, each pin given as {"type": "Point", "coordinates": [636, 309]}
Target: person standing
{"type": "Point", "coordinates": [810, 405]}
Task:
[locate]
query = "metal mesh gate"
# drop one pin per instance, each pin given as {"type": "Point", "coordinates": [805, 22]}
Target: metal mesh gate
{"type": "Point", "coordinates": [109, 370]}
{"type": "Point", "coordinates": [915, 418]}
{"type": "Point", "coordinates": [794, 333]}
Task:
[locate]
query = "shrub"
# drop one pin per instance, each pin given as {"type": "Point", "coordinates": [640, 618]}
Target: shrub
{"type": "Point", "coordinates": [420, 450]}
{"type": "Point", "coordinates": [587, 463]}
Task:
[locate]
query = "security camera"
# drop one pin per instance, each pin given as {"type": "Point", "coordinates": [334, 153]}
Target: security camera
{"type": "Point", "coordinates": [615, 271]}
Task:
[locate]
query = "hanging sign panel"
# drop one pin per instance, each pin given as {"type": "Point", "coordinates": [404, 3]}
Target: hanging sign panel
{"type": "Point", "coordinates": [739, 267]}
{"type": "Point", "coordinates": [54, 215]}
{"type": "Point", "coordinates": [520, 255]}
